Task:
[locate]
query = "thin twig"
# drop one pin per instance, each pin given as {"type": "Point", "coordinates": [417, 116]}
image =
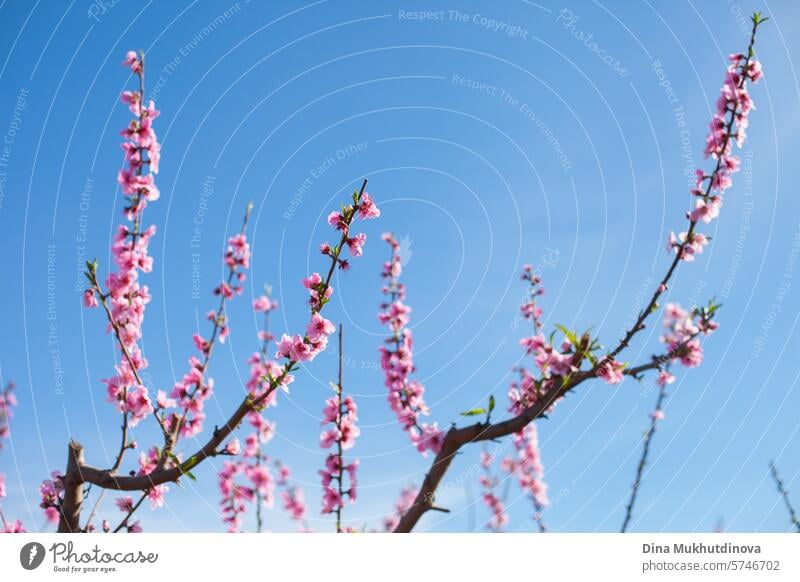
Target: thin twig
{"type": "Point", "coordinates": [785, 494]}
{"type": "Point", "coordinates": [648, 438]}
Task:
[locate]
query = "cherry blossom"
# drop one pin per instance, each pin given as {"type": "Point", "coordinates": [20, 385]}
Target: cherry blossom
{"type": "Point", "coordinates": [728, 124]}
{"type": "Point", "coordinates": [406, 396]}
{"type": "Point", "coordinates": [401, 505]}
{"type": "Point", "coordinates": [339, 416]}
{"type": "Point", "coordinates": [489, 484]}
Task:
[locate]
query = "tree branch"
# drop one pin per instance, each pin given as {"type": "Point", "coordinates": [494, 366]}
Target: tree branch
{"type": "Point", "coordinates": [70, 507]}
{"type": "Point", "coordinates": [458, 437]}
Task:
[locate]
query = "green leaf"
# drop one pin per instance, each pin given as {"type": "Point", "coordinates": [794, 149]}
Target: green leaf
{"type": "Point", "coordinates": [569, 334]}
{"type": "Point", "coordinates": [474, 412]}
{"type": "Point", "coordinates": [491, 402]}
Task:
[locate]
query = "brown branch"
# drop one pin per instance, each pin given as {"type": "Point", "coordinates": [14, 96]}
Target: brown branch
{"type": "Point", "coordinates": [108, 479]}
{"type": "Point", "coordinates": [70, 506]}
{"type": "Point", "coordinates": [458, 437]}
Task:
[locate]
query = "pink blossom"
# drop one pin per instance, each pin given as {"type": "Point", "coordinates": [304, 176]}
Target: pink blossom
{"type": "Point", "coordinates": [14, 527]}
{"type": "Point", "coordinates": [264, 303]}
{"type": "Point", "coordinates": [163, 402]}
{"type": "Point", "coordinates": [336, 220]}
{"type": "Point", "coordinates": [355, 244]}
{"type": "Point", "coordinates": [404, 394]}
{"type": "Point", "coordinates": [294, 503]}
{"type": "Point", "coordinates": [611, 371]}
{"type": "Point", "coordinates": [233, 447]}
{"type": "Point", "coordinates": [331, 500]}
{"type": "Point", "coordinates": [665, 378]}
{"type": "Point", "coordinates": [401, 506]}
{"type": "Point", "coordinates": [319, 328]}
{"type": "Point", "coordinates": [52, 515]}
{"type": "Point", "coordinates": [339, 422]}
{"type": "Point", "coordinates": [132, 61]}
{"type": "Point", "coordinates": [89, 298]}
{"type": "Point", "coordinates": [367, 208]}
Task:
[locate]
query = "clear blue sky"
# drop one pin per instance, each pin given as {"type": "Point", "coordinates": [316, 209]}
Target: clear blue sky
{"type": "Point", "coordinates": [553, 152]}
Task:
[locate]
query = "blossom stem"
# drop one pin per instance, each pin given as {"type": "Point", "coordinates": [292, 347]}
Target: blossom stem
{"type": "Point", "coordinates": [681, 250]}
{"type": "Point", "coordinates": [220, 314]}
{"type": "Point", "coordinates": [131, 511]}
{"type": "Point", "coordinates": [648, 438]}
{"type": "Point", "coordinates": [338, 251]}
{"type": "Point", "coordinates": [785, 495]}
{"type": "Point", "coordinates": [108, 480]}
{"type": "Point", "coordinates": [340, 476]}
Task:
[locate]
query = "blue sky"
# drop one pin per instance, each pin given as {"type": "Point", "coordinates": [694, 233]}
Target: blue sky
{"type": "Point", "coordinates": [493, 135]}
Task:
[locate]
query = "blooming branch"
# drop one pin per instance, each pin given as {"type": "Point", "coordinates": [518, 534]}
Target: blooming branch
{"type": "Point", "coordinates": [8, 401]}
{"type": "Point", "coordinates": [562, 369]}
{"type": "Point", "coordinates": [124, 305]}
{"type": "Point", "coordinates": [340, 413]}
{"type": "Point", "coordinates": [489, 483]}
{"type": "Point", "coordinates": [406, 396]}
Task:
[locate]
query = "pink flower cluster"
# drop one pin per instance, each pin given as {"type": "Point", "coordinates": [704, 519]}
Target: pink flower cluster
{"type": "Point", "coordinates": [51, 492]}
{"type": "Point", "coordinates": [8, 401]}
{"type": "Point", "coordinates": [305, 348]}
{"type": "Point", "coordinates": [261, 367]}
{"type": "Point", "coordinates": [682, 330]}
{"type": "Point", "coordinates": [127, 298]}
{"type": "Point", "coordinates": [366, 209]}
{"type": "Point", "coordinates": [249, 479]}
{"type": "Point", "coordinates": [260, 483]}
{"type": "Point", "coordinates": [340, 414]}
{"type": "Point", "coordinates": [148, 462]}
{"type": "Point", "coordinates": [553, 362]}
{"type": "Point", "coordinates": [294, 503]}
{"type": "Point", "coordinates": [529, 467]}
{"type": "Point", "coordinates": [406, 396]}
{"type": "Point", "coordinates": [191, 392]}
{"type": "Point", "coordinates": [403, 503]}
{"type": "Point", "coordinates": [489, 483]}
{"type": "Point", "coordinates": [529, 470]}
{"type": "Point", "coordinates": [729, 123]}
{"type": "Point", "coordinates": [126, 505]}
